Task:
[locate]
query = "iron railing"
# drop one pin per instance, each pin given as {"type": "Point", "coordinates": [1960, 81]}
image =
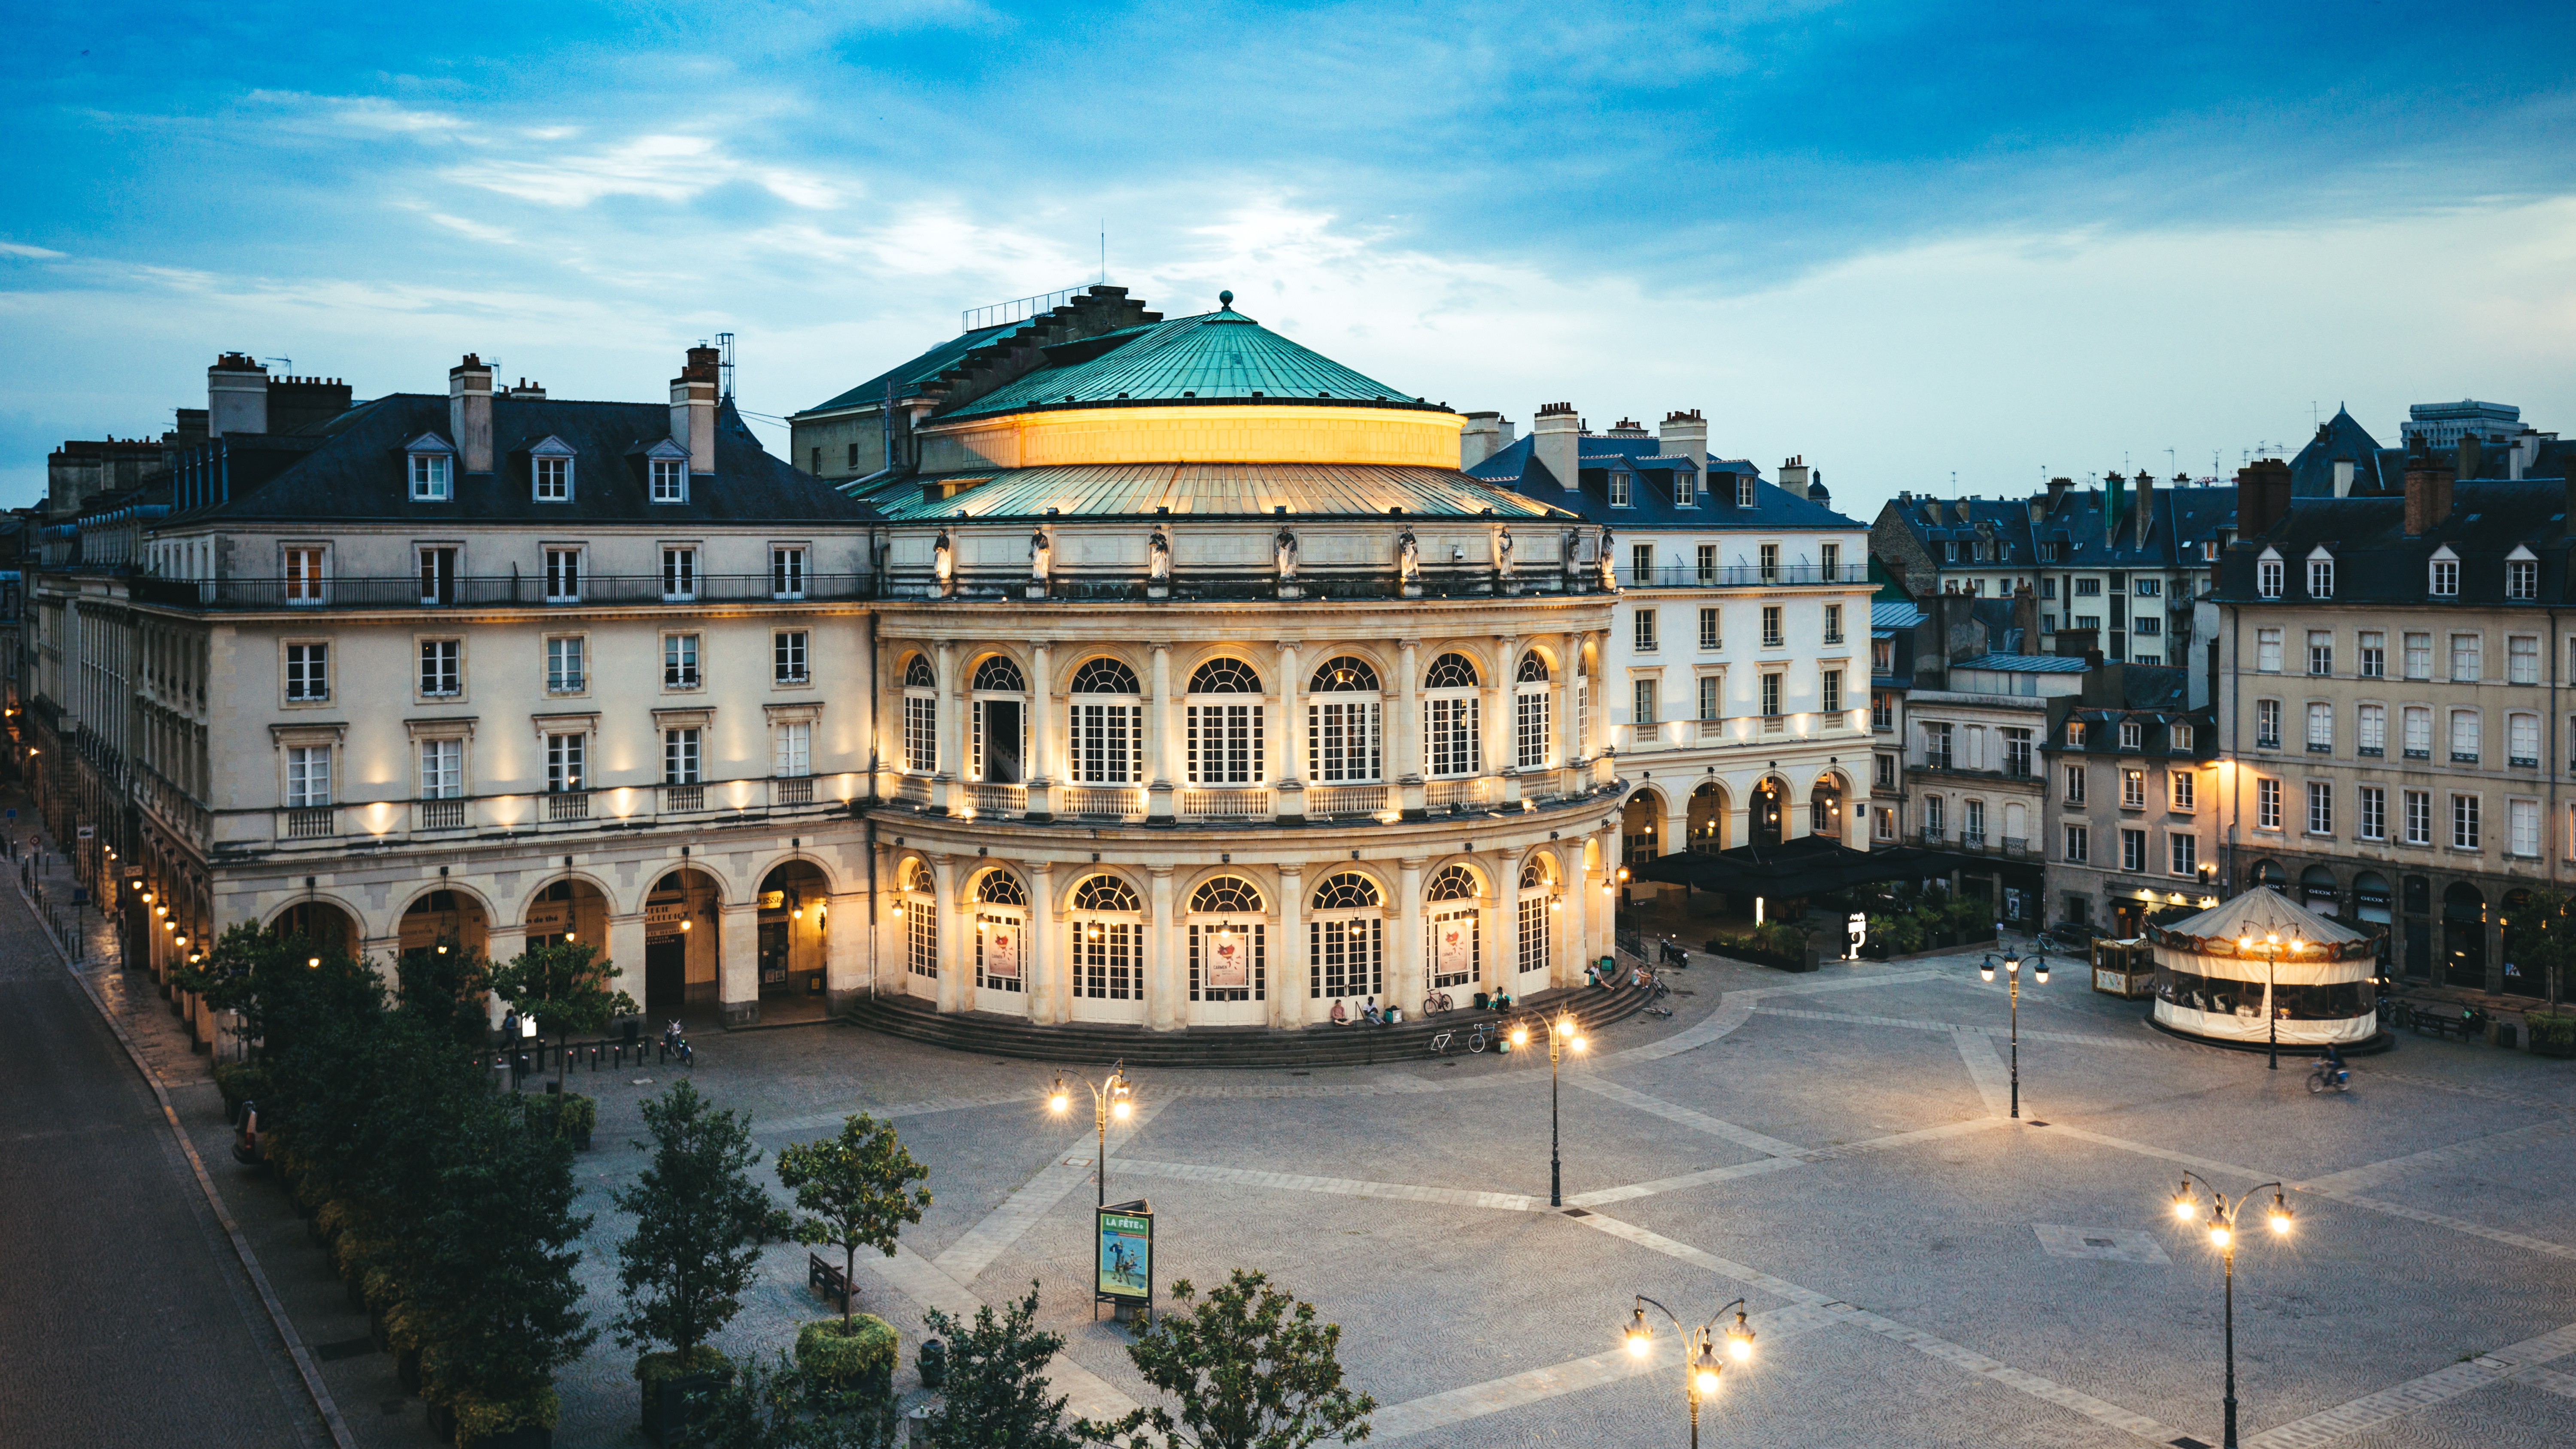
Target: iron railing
{"type": "Point", "coordinates": [410, 591]}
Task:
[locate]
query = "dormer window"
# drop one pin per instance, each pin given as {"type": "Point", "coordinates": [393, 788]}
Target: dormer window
{"type": "Point", "coordinates": [2320, 575]}
{"type": "Point", "coordinates": [550, 471]}
{"type": "Point", "coordinates": [1618, 488]}
{"type": "Point", "coordinates": [2444, 582]}
{"type": "Point", "coordinates": [668, 466]}
{"type": "Point", "coordinates": [433, 469]}
{"type": "Point", "coordinates": [1743, 490]}
{"type": "Point", "coordinates": [2522, 574]}
{"type": "Point", "coordinates": [2267, 575]}
{"type": "Point", "coordinates": [1685, 489]}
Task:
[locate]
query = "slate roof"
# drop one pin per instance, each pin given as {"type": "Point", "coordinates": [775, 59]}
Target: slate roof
{"type": "Point", "coordinates": [1211, 490]}
{"type": "Point", "coordinates": [1516, 469]}
{"type": "Point", "coordinates": [2181, 519]}
{"type": "Point", "coordinates": [2024, 664]}
{"type": "Point", "coordinates": [1220, 356]}
{"type": "Point", "coordinates": [356, 469]}
{"type": "Point", "coordinates": [2379, 470]}
{"type": "Point", "coordinates": [2375, 562]}
{"type": "Point", "coordinates": [1885, 615]}
{"type": "Point", "coordinates": [908, 377]}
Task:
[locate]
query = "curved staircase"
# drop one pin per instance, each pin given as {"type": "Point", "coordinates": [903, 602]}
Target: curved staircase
{"type": "Point", "coordinates": [1215, 1046]}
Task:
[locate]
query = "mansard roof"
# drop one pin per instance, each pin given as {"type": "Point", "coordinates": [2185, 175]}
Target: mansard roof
{"type": "Point", "coordinates": [1517, 469]}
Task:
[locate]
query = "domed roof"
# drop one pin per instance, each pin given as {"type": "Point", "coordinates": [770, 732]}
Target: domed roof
{"type": "Point", "coordinates": [1220, 356]}
{"type": "Point", "coordinates": [2261, 915]}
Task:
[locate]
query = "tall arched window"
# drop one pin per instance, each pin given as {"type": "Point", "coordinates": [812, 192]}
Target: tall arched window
{"type": "Point", "coordinates": [1001, 931]}
{"type": "Point", "coordinates": [1229, 942]}
{"type": "Point", "coordinates": [1538, 902]}
{"type": "Point", "coordinates": [1225, 724]}
{"type": "Point", "coordinates": [920, 716]}
{"type": "Point", "coordinates": [1108, 940]}
{"type": "Point", "coordinates": [1107, 719]}
{"type": "Point", "coordinates": [1451, 712]}
{"type": "Point", "coordinates": [1342, 723]}
{"type": "Point", "coordinates": [1000, 721]}
{"type": "Point", "coordinates": [920, 921]}
{"type": "Point", "coordinates": [1454, 942]}
{"type": "Point", "coordinates": [1825, 808]}
{"type": "Point", "coordinates": [1346, 938]}
{"type": "Point", "coordinates": [1533, 747]}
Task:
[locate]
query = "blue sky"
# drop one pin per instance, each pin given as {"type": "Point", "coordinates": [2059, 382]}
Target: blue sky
{"type": "Point", "coordinates": [1907, 242]}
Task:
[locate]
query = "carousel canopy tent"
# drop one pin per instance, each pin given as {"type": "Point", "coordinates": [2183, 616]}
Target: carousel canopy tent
{"type": "Point", "coordinates": [1808, 865]}
{"type": "Point", "coordinates": [2259, 914]}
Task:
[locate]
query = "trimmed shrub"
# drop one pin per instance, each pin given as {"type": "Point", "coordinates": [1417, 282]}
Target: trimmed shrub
{"type": "Point", "coordinates": [240, 1082]}
{"type": "Point", "coordinates": [480, 1419]}
{"type": "Point", "coordinates": [2552, 1035]}
{"type": "Point", "coordinates": [844, 1359]}
{"type": "Point", "coordinates": [567, 1114]}
{"type": "Point", "coordinates": [655, 1369]}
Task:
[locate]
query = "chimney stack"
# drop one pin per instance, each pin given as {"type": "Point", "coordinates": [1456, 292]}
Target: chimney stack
{"type": "Point", "coordinates": [2428, 493]}
{"type": "Point", "coordinates": [1685, 435]}
{"type": "Point", "coordinates": [1793, 476]}
{"type": "Point", "coordinates": [1480, 439]}
{"type": "Point", "coordinates": [525, 390]}
{"type": "Point", "coordinates": [693, 409]}
{"type": "Point", "coordinates": [2262, 496]}
{"type": "Point", "coordinates": [2058, 488]}
{"type": "Point", "coordinates": [2114, 488]}
{"type": "Point", "coordinates": [2144, 510]}
{"type": "Point", "coordinates": [469, 414]}
{"type": "Point", "coordinates": [236, 396]}
{"type": "Point", "coordinates": [1556, 442]}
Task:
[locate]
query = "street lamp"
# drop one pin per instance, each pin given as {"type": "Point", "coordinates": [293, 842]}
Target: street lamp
{"type": "Point", "coordinates": [1561, 1039]}
{"type": "Point", "coordinates": [2273, 946]}
{"type": "Point", "coordinates": [1111, 1098]}
{"type": "Point", "coordinates": [1702, 1368]}
{"type": "Point", "coordinates": [2012, 972]}
{"type": "Point", "coordinates": [2222, 1236]}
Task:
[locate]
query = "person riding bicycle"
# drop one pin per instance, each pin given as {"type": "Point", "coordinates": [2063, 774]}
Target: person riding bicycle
{"type": "Point", "coordinates": [2332, 1061]}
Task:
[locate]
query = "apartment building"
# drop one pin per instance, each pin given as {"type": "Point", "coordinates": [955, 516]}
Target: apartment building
{"type": "Point", "coordinates": [2136, 818]}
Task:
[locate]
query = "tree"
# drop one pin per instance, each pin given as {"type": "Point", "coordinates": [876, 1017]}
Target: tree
{"type": "Point", "coordinates": [565, 987]}
{"type": "Point", "coordinates": [697, 1212]}
{"type": "Point", "coordinates": [856, 1190]}
{"type": "Point", "coordinates": [1251, 1369]}
{"type": "Point", "coordinates": [497, 1282]}
{"type": "Point", "coordinates": [779, 1406]}
{"type": "Point", "coordinates": [2539, 938]}
{"type": "Point", "coordinates": [996, 1393]}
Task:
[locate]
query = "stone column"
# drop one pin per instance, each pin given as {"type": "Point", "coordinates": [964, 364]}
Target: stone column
{"type": "Point", "coordinates": [626, 954]}
{"type": "Point", "coordinates": [383, 954]}
{"type": "Point", "coordinates": [1405, 750]}
{"type": "Point", "coordinates": [1043, 772]}
{"type": "Point", "coordinates": [738, 970]}
{"type": "Point", "coordinates": [947, 794]}
{"type": "Point", "coordinates": [1605, 928]}
{"type": "Point", "coordinates": [1288, 952]}
{"type": "Point", "coordinates": [1498, 716]}
{"type": "Point", "coordinates": [1162, 755]}
{"type": "Point", "coordinates": [1287, 758]}
{"type": "Point", "coordinates": [1405, 973]}
{"type": "Point", "coordinates": [845, 950]}
{"type": "Point", "coordinates": [1164, 1007]}
{"type": "Point", "coordinates": [956, 991]}
{"type": "Point", "coordinates": [1502, 974]}
{"type": "Point", "coordinates": [1050, 994]}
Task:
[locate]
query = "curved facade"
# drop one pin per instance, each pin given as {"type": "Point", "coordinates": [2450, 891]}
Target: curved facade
{"type": "Point", "coordinates": [2225, 973]}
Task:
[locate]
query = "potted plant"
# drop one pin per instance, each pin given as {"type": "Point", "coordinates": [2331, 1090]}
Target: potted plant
{"type": "Point", "coordinates": [683, 1270]}
{"type": "Point", "coordinates": [855, 1354]}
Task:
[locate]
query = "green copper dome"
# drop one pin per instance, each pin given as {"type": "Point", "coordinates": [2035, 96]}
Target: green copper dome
{"type": "Point", "coordinates": [1220, 356]}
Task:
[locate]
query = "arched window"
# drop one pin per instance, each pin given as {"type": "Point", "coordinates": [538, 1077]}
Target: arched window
{"type": "Point", "coordinates": [1000, 725]}
{"type": "Point", "coordinates": [1454, 930]}
{"type": "Point", "coordinates": [1001, 932]}
{"type": "Point", "coordinates": [1452, 743]}
{"type": "Point", "coordinates": [1533, 742]}
{"type": "Point", "coordinates": [1342, 726]}
{"type": "Point", "coordinates": [1537, 905]}
{"type": "Point", "coordinates": [2464, 937]}
{"type": "Point", "coordinates": [920, 717]}
{"type": "Point", "coordinates": [1825, 808]}
{"type": "Point", "coordinates": [1533, 873]}
{"type": "Point", "coordinates": [1107, 735]}
{"type": "Point", "coordinates": [1108, 942]}
{"type": "Point", "coordinates": [920, 921]}
{"type": "Point", "coordinates": [1229, 955]}
{"type": "Point", "coordinates": [1346, 939]}
{"type": "Point", "coordinates": [1000, 888]}
{"type": "Point", "coordinates": [1225, 734]}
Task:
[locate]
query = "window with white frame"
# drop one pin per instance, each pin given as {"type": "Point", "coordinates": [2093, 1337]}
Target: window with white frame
{"type": "Point", "coordinates": [679, 574]}
{"type": "Point", "coordinates": [1769, 565]}
{"type": "Point", "coordinates": [787, 572]}
{"type": "Point", "coordinates": [2267, 804]}
{"type": "Point", "coordinates": [1937, 741]}
{"type": "Point", "coordinates": [563, 576]}
{"type": "Point", "coordinates": [2418, 721]}
{"type": "Point", "coordinates": [1106, 724]}
{"type": "Point", "coordinates": [2374, 654]}
{"type": "Point", "coordinates": [2267, 578]}
{"type": "Point", "coordinates": [2522, 740]}
{"type": "Point", "coordinates": [1225, 724]}
{"type": "Point", "coordinates": [2267, 650]}
{"type": "Point", "coordinates": [1771, 699]}
{"type": "Point", "coordinates": [1934, 824]}
{"type": "Point", "coordinates": [433, 477]}
{"type": "Point", "coordinates": [1773, 634]}
{"type": "Point", "coordinates": [1833, 623]}
{"type": "Point", "coordinates": [308, 776]}
{"type": "Point", "coordinates": [1642, 693]}
{"type": "Point", "coordinates": [2522, 578]}
{"type": "Point", "coordinates": [1685, 489]}
{"type": "Point", "coordinates": [2178, 739]}
{"type": "Point", "coordinates": [565, 756]}
{"type": "Point", "coordinates": [2133, 851]}
{"type": "Point", "coordinates": [2320, 807]}
{"type": "Point", "coordinates": [308, 673]}
{"type": "Point", "coordinates": [2464, 737]}
{"type": "Point", "coordinates": [1344, 715]}
{"type": "Point", "coordinates": [437, 574]}
{"type": "Point", "coordinates": [1829, 563]}
{"type": "Point", "coordinates": [2182, 853]}
{"type": "Point", "coordinates": [670, 480]}
{"type": "Point", "coordinates": [2074, 734]}
{"type": "Point", "coordinates": [2464, 822]}
{"type": "Point", "coordinates": [2320, 728]}
{"type": "Point", "coordinates": [2468, 657]}
{"type": "Point", "coordinates": [2444, 582]}
{"type": "Point", "coordinates": [2076, 776]}
{"type": "Point", "coordinates": [1830, 693]}
{"type": "Point", "coordinates": [2320, 577]}
{"type": "Point", "coordinates": [921, 922]}
{"type": "Point", "coordinates": [2133, 789]}
{"type": "Point", "coordinates": [1452, 722]}
{"type": "Point", "coordinates": [681, 757]}
{"type": "Point", "coordinates": [2185, 790]}
{"type": "Point", "coordinates": [1743, 490]}
{"type": "Point", "coordinates": [2370, 729]}
{"type": "Point", "coordinates": [2079, 844]}
{"type": "Point", "coordinates": [2419, 656]}
{"type": "Point", "coordinates": [442, 769]}
{"type": "Point", "coordinates": [2522, 822]}
{"type": "Point", "coordinates": [2372, 815]}
{"type": "Point", "coordinates": [2419, 817]}
{"type": "Point", "coordinates": [307, 570]}
{"type": "Point", "coordinates": [550, 472]}
{"type": "Point", "coordinates": [679, 661]}
{"type": "Point", "coordinates": [1645, 631]}
{"type": "Point", "coordinates": [442, 668]}
{"type": "Point", "coordinates": [1709, 637]}
{"type": "Point", "coordinates": [2267, 724]}
{"type": "Point", "coordinates": [2320, 651]}
{"type": "Point", "coordinates": [920, 717]}
{"type": "Point", "coordinates": [791, 749]}
{"type": "Point", "coordinates": [2133, 735]}
{"type": "Point", "coordinates": [1618, 488]}
{"type": "Point", "coordinates": [2522, 659]}
{"type": "Point", "coordinates": [787, 662]}
{"type": "Point", "coordinates": [567, 668]}
{"type": "Point", "coordinates": [1533, 745]}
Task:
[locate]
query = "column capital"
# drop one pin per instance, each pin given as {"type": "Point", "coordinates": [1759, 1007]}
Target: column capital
{"type": "Point", "coordinates": [1408, 643]}
{"type": "Point", "coordinates": [1413, 862]}
{"type": "Point", "coordinates": [1160, 872]}
{"type": "Point", "coordinates": [1159, 646]}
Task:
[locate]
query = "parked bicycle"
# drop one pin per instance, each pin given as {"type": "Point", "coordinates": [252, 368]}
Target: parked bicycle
{"type": "Point", "coordinates": [1479, 1037]}
{"type": "Point", "coordinates": [1436, 1002]}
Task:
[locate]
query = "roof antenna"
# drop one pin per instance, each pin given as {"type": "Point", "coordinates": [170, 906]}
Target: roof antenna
{"type": "Point", "coordinates": [724, 364]}
{"type": "Point", "coordinates": [1104, 251]}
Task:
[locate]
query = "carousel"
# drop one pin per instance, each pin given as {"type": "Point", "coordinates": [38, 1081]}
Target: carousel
{"type": "Point", "coordinates": [2260, 970]}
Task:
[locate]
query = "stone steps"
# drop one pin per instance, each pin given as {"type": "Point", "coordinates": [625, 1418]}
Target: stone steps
{"type": "Point", "coordinates": [913, 1019]}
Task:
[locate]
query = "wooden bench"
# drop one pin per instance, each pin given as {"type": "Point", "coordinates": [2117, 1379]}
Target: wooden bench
{"type": "Point", "coordinates": [827, 1280]}
{"type": "Point", "coordinates": [2444, 1021]}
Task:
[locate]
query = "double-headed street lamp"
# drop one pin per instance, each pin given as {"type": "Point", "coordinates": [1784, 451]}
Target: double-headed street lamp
{"type": "Point", "coordinates": [2222, 1236]}
{"type": "Point", "coordinates": [2273, 946]}
{"type": "Point", "coordinates": [1111, 1098]}
{"type": "Point", "coordinates": [2012, 970]}
{"type": "Point", "coordinates": [1702, 1368]}
{"type": "Point", "coordinates": [1562, 1038]}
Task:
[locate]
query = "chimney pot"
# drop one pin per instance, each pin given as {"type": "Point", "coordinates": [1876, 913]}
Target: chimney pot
{"type": "Point", "coordinates": [1556, 442]}
{"type": "Point", "coordinates": [469, 414]}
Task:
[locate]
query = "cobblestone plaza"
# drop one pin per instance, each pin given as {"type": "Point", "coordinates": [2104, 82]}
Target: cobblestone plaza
{"type": "Point", "coordinates": [1834, 1148]}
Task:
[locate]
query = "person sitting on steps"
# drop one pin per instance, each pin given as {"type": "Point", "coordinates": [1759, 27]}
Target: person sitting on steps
{"type": "Point", "coordinates": [1340, 1016]}
{"type": "Point", "coordinates": [1371, 1015]}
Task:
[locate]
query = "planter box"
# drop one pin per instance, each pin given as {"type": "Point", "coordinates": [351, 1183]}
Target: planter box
{"type": "Point", "coordinates": [527, 1436]}
{"type": "Point", "coordinates": [668, 1412]}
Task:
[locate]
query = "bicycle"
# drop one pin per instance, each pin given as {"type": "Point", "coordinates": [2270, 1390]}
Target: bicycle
{"type": "Point", "coordinates": [1437, 1002]}
{"type": "Point", "coordinates": [2324, 1078]}
{"type": "Point", "coordinates": [1655, 1001]}
{"type": "Point", "coordinates": [1479, 1037]}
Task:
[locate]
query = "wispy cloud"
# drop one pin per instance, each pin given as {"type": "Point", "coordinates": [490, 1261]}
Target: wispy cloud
{"type": "Point", "coordinates": [21, 249]}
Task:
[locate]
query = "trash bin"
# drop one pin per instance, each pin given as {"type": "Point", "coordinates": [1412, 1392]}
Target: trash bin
{"type": "Point", "coordinates": [932, 1361]}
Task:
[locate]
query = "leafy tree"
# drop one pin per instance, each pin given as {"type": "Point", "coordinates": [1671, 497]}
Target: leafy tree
{"type": "Point", "coordinates": [2540, 938]}
{"type": "Point", "coordinates": [565, 987]}
{"type": "Point", "coordinates": [497, 1283]}
{"type": "Point", "coordinates": [697, 1214]}
{"type": "Point", "coordinates": [856, 1190]}
{"type": "Point", "coordinates": [780, 1406]}
{"type": "Point", "coordinates": [444, 991]}
{"type": "Point", "coordinates": [1251, 1369]}
{"type": "Point", "coordinates": [996, 1394]}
